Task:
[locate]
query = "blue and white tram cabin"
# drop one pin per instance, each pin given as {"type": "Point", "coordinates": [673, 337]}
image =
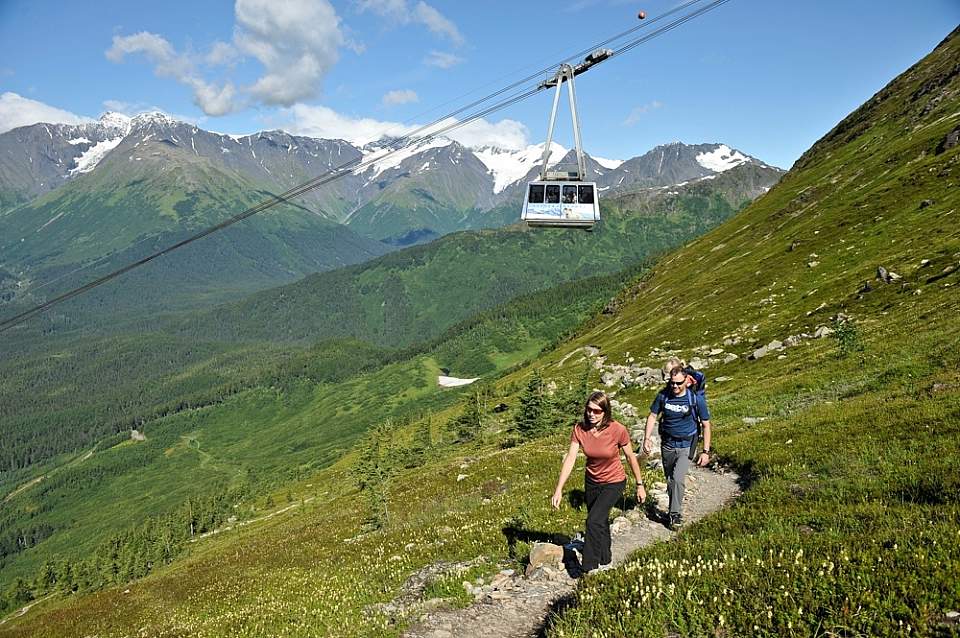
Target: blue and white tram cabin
{"type": "Point", "coordinates": [561, 204]}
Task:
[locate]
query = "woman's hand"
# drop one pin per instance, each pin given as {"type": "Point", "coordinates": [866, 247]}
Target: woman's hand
{"type": "Point", "coordinates": [556, 499]}
{"type": "Point", "coordinates": [641, 493]}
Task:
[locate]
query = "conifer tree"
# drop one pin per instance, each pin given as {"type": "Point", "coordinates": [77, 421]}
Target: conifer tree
{"type": "Point", "coordinates": [533, 418]}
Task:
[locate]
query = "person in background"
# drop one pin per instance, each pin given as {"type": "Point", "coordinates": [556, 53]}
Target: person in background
{"type": "Point", "coordinates": [674, 362]}
{"type": "Point", "coordinates": [678, 409]}
{"type": "Point", "coordinates": [602, 440]}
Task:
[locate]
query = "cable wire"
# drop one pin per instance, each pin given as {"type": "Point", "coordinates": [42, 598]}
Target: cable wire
{"type": "Point", "coordinates": [419, 135]}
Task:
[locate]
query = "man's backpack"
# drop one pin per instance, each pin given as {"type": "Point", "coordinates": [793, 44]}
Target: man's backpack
{"type": "Point", "coordinates": [699, 379]}
{"type": "Point", "coordinates": [698, 389]}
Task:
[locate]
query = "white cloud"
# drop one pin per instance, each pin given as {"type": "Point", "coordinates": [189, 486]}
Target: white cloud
{"type": "Point", "coordinates": [296, 40]}
{"type": "Point", "coordinates": [16, 111]}
{"type": "Point", "coordinates": [222, 53]}
{"type": "Point", "coordinates": [442, 60]}
{"type": "Point", "coordinates": [506, 134]}
{"type": "Point", "coordinates": [320, 121]}
{"type": "Point", "coordinates": [640, 111]}
{"type": "Point", "coordinates": [168, 63]}
{"type": "Point", "coordinates": [400, 12]}
{"type": "Point", "coordinates": [405, 96]}
{"type": "Point", "coordinates": [437, 23]}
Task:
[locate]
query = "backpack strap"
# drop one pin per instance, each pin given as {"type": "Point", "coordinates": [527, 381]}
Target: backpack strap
{"type": "Point", "coordinates": [692, 402]}
{"type": "Point", "coordinates": [695, 441]}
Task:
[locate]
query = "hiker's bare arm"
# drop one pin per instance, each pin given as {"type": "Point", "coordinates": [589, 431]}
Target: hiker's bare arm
{"type": "Point", "coordinates": [704, 456]}
{"type": "Point", "coordinates": [635, 467]}
{"type": "Point", "coordinates": [647, 446]}
{"type": "Point", "coordinates": [568, 462]}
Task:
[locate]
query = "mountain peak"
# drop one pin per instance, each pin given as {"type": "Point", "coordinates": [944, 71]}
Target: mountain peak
{"type": "Point", "coordinates": [114, 121]}
{"type": "Point", "coordinates": [153, 118]}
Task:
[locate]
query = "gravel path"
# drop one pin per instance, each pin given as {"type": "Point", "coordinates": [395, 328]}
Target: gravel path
{"type": "Point", "coordinates": [519, 607]}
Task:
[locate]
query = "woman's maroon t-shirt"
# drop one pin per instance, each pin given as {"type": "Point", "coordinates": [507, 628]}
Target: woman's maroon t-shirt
{"type": "Point", "coordinates": [602, 448]}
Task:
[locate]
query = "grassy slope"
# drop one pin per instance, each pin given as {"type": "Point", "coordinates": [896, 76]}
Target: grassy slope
{"type": "Point", "coordinates": [851, 525]}
{"type": "Point", "coordinates": [855, 464]}
{"type": "Point", "coordinates": [264, 417]}
{"type": "Point", "coordinates": [419, 292]}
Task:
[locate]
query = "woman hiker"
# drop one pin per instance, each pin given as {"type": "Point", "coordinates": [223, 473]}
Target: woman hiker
{"type": "Point", "coordinates": [602, 440]}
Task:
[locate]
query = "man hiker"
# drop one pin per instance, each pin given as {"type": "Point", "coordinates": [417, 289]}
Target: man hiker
{"type": "Point", "coordinates": [679, 409]}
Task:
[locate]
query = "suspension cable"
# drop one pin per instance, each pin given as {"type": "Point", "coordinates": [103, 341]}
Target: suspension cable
{"type": "Point", "coordinates": [419, 135]}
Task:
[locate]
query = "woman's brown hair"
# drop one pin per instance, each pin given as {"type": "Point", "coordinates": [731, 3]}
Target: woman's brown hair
{"type": "Point", "coordinates": [603, 402]}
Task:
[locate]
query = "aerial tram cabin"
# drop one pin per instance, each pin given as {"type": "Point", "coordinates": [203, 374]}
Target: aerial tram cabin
{"type": "Point", "coordinates": [561, 203]}
{"type": "Point", "coordinates": [563, 198]}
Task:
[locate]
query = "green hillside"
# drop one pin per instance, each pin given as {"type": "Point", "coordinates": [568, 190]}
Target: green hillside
{"type": "Point", "coordinates": [417, 293]}
{"type": "Point", "coordinates": [848, 440]}
{"type": "Point", "coordinates": [70, 394]}
{"type": "Point", "coordinates": [219, 417]}
{"type": "Point", "coordinates": [125, 211]}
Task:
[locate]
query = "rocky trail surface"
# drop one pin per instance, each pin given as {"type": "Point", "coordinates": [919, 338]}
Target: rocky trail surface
{"type": "Point", "coordinates": [519, 606]}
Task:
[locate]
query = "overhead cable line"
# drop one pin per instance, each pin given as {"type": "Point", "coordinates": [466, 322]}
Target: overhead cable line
{"type": "Point", "coordinates": [419, 135]}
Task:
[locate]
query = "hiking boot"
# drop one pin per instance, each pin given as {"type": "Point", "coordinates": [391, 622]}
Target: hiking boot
{"type": "Point", "coordinates": [606, 567]}
{"type": "Point", "coordinates": [674, 522]}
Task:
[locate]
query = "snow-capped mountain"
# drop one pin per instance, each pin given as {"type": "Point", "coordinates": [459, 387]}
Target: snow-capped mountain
{"type": "Point", "coordinates": [384, 191]}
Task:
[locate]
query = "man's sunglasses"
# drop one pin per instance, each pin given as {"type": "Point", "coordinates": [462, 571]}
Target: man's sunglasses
{"type": "Point", "coordinates": [677, 384]}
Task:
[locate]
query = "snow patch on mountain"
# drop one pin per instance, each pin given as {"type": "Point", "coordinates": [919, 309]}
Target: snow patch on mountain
{"type": "Point", "coordinates": [607, 163]}
{"type": "Point", "coordinates": [509, 166]}
{"type": "Point", "coordinates": [723, 158]}
{"type": "Point", "coordinates": [393, 158]}
{"type": "Point", "coordinates": [88, 160]}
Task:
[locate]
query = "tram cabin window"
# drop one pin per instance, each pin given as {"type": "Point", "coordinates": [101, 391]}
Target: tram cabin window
{"type": "Point", "coordinates": [553, 193]}
{"type": "Point", "coordinates": [586, 194]}
{"type": "Point", "coordinates": [536, 194]}
{"type": "Point", "coordinates": [569, 194]}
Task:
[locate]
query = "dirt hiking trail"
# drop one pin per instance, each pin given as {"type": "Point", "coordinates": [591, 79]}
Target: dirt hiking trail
{"type": "Point", "coordinates": [520, 607]}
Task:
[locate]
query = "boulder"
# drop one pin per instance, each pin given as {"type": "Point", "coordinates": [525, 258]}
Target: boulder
{"type": "Point", "coordinates": [663, 501]}
{"type": "Point", "coordinates": [822, 331]}
{"type": "Point", "coordinates": [619, 525]}
{"type": "Point", "coordinates": [729, 357]}
{"type": "Point", "coordinates": [544, 555]}
{"type": "Point", "coordinates": [759, 353]}
{"type": "Point", "coordinates": [624, 409]}
{"type": "Point", "coordinates": [884, 275]}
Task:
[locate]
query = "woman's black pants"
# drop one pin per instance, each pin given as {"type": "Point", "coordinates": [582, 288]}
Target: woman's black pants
{"type": "Point", "coordinates": [600, 498]}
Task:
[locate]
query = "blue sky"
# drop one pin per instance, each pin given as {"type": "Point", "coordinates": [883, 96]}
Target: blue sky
{"type": "Point", "coordinates": [767, 77]}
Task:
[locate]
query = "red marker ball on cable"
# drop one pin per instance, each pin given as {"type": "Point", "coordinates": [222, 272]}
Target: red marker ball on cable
{"type": "Point", "coordinates": [642, 15]}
